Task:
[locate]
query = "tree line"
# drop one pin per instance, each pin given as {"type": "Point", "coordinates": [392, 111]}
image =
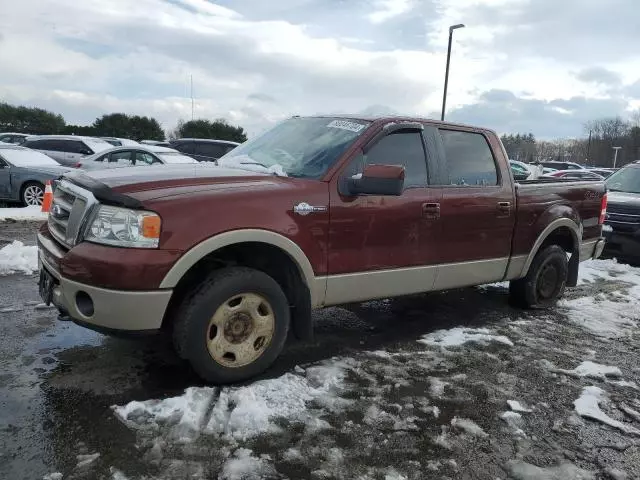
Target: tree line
{"type": "Point", "coordinates": [37, 121]}
{"type": "Point", "coordinates": [594, 149]}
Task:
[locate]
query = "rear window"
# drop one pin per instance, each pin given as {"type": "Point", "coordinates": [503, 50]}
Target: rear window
{"type": "Point", "coordinates": [469, 159]}
{"type": "Point", "coordinates": [206, 149]}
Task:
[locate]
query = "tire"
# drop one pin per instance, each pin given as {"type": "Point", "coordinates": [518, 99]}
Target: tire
{"type": "Point", "coordinates": [545, 281]}
{"type": "Point", "coordinates": [216, 326]}
{"type": "Point", "coordinates": [32, 192]}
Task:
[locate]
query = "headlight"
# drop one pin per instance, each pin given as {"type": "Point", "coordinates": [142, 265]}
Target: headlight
{"type": "Point", "coordinates": [122, 227]}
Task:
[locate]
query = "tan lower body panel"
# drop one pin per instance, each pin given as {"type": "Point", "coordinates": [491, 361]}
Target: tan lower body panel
{"type": "Point", "coordinates": [112, 309]}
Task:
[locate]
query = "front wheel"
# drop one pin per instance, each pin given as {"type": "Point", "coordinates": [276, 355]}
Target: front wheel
{"type": "Point", "coordinates": [32, 194]}
{"type": "Point", "coordinates": [545, 281]}
{"type": "Point", "coordinates": [233, 325]}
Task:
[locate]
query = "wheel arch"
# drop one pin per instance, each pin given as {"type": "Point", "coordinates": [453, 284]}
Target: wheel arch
{"type": "Point", "coordinates": [566, 233]}
{"type": "Point", "coordinates": [276, 255]}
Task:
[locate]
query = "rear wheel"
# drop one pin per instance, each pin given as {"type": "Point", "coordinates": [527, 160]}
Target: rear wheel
{"type": "Point", "coordinates": [233, 326]}
{"type": "Point", "coordinates": [545, 281]}
{"type": "Point", "coordinates": [32, 194]}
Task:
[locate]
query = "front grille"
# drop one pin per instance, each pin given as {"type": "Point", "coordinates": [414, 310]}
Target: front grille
{"type": "Point", "coordinates": [69, 209]}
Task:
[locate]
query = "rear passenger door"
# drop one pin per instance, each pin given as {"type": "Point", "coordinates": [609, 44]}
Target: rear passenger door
{"type": "Point", "coordinates": [477, 210]}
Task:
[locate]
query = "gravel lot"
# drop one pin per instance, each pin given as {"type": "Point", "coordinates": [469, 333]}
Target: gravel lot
{"type": "Point", "coordinates": [448, 385]}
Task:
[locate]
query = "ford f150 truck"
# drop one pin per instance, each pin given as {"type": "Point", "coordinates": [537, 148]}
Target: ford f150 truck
{"type": "Point", "coordinates": [317, 211]}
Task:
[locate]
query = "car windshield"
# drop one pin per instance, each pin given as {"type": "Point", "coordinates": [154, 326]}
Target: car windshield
{"type": "Point", "coordinates": [27, 158]}
{"type": "Point", "coordinates": [625, 180]}
{"type": "Point", "coordinates": [175, 157]}
{"type": "Point", "coordinates": [297, 147]}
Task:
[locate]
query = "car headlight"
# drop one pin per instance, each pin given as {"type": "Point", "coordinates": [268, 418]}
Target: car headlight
{"type": "Point", "coordinates": [122, 227]}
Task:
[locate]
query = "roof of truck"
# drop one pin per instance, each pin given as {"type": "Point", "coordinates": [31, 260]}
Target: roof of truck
{"type": "Point", "coordinates": [396, 118]}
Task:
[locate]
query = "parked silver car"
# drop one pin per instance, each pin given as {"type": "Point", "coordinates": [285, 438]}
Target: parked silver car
{"type": "Point", "coordinates": [134, 156]}
{"type": "Point", "coordinates": [23, 173]}
{"type": "Point", "coordinates": [119, 142]}
{"type": "Point", "coordinates": [68, 150]}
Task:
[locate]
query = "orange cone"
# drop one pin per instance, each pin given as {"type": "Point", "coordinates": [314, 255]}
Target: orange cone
{"type": "Point", "coordinates": [48, 197]}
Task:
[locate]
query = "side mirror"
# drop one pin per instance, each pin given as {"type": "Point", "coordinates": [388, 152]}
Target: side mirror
{"type": "Point", "coordinates": [377, 180]}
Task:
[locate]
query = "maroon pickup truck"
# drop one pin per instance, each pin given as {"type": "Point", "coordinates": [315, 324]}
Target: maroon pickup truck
{"type": "Point", "coordinates": [317, 211]}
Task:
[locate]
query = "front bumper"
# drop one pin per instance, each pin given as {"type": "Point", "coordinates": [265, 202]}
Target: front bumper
{"type": "Point", "coordinates": [101, 308]}
{"type": "Point", "coordinates": [622, 245]}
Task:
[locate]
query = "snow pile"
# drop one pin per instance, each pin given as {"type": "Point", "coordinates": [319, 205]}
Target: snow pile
{"type": "Point", "coordinates": [514, 420]}
{"type": "Point", "coordinates": [238, 412]}
{"type": "Point", "coordinates": [85, 460]}
{"type": "Point", "coordinates": [520, 470]}
{"type": "Point", "coordinates": [25, 213]}
{"type": "Point", "coordinates": [244, 466]}
{"type": "Point", "coordinates": [53, 476]}
{"type": "Point", "coordinates": [518, 407]}
{"type": "Point", "coordinates": [588, 406]}
{"type": "Point", "coordinates": [18, 257]}
{"type": "Point", "coordinates": [436, 387]}
{"type": "Point", "coordinates": [611, 315]}
{"type": "Point", "coordinates": [455, 337]}
{"type": "Point", "coordinates": [468, 426]}
{"type": "Point", "coordinates": [587, 369]}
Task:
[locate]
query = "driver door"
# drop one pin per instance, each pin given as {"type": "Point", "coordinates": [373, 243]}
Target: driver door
{"type": "Point", "coordinates": [384, 246]}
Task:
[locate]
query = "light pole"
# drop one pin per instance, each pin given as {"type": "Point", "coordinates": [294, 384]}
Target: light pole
{"type": "Point", "coordinates": [446, 74]}
{"type": "Point", "coordinates": [615, 155]}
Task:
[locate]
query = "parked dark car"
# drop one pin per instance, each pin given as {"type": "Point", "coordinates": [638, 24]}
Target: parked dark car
{"type": "Point", "coordinates": [23, 174]}
{"type": "Point", "coordinates": [202, 149]}
{"type": "Point", "coordinates": [622, 224]}
{"type": "Point", "coordinates": [581, 174]}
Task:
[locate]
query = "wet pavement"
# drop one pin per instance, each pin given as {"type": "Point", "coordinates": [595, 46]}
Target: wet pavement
{"type": "Point", "coordinates": [402, 409]}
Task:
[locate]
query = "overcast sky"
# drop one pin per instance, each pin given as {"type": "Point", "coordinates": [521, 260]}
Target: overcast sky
{"type": "Point", "coordinates": [541, 66]}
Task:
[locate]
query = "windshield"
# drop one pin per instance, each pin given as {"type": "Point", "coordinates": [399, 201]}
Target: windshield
{"type": "Point", "coordinates": [27, 158]}
{"type": "Point", "coordinates": [297, 147]}
{"type": "Point", "coordinates": [177, 157]}
{"type": "Point", "coordinates": [625, 180]}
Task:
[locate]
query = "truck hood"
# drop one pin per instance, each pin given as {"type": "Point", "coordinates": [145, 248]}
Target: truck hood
{"type": "Point", "coordinates": [631, 199]}
{"type": "Point", "coordinates": [132, 186]}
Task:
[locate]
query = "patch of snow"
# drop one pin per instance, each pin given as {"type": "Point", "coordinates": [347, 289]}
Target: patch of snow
{"type": "Point", "coordinates": [443, 440]}
{"type": "Point", "coordinates": [468, 426]}
{"type": "Point", "coordinates": [392, 474]}
{"type": "Point", "coordinates": [458, 336]}
{"type": "Point", "coordinates": [53, 476]}
{"type": "Point", "coordinates": [604, 318]}
{"type": "Point", "coordinates": [498, 285]}
{"type": "Point", "coordinates": [592, 270]}
{"type": "Point", "coordinates": [586, 369]}
{"type": "Point", "coordinates": [117, 474]}
{"type": "Point", "coordinates": [243, 465]}
{"type": "Point", "coordinates": [85, 460]}
{"type": "Point", "coordinates": [10, 309]}
{"type": "Point", "coordinates": [239, 412]}
{"type": "Point", "coordinates": [624, 383]}
{"type": "Point", "coordinates": [514, 420]}
{"type": "Point", "coordinates": [566, 471]}
{"type": "Point", "coordinates": [23, 213]}
{"type": "Point", "coordinates": [588, 406]}
{"type": "Point", "coordinates": [631, 412]}
{"type": "Point", "coordinates": [18, 257]}
{"type": "Point", "coordinates": [518, 407]}
{"type": "Point", "coordinates": [44, 306]}
{"type": "Point", "coordinates": [616, 474]}
{"type": "Point", "coordinates": [436, 387]}
{"type": "Point", "coordinates": [461, 377]}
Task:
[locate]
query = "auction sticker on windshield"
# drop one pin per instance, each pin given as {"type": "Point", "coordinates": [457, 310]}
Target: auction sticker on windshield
{"type": "Point", "coordinates": [346, 125]}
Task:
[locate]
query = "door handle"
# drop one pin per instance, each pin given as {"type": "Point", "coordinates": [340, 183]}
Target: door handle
{"type": "Point", "coordinates": [431, 210]}
{"type": "Point", "coordinates": [504, 207]}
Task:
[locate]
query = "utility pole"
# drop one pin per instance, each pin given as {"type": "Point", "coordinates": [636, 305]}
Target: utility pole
{"type": "Point", "coordinates": [446, 74]}
{"type": "Point", "coordinates": [192, 98]}
{"type": "Point", "coordinates": [615, 155]}
{"type": "Point", "coordinates": [589, 149]}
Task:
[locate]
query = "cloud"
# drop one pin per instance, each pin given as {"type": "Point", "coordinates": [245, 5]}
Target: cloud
{"type": "Point", "coordinates": [255, 62]}
{"type": "Point", "coordinates": [599, 75]}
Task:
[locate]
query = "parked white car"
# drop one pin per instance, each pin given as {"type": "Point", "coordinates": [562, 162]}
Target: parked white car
{"type": "Point", "coordinates": [68, 150]}
{"type": "Point", "coordinates": [131, 156]}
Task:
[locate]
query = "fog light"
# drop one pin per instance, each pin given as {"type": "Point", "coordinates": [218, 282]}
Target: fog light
{"type": "Point", "coordinates": [84, 304]}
